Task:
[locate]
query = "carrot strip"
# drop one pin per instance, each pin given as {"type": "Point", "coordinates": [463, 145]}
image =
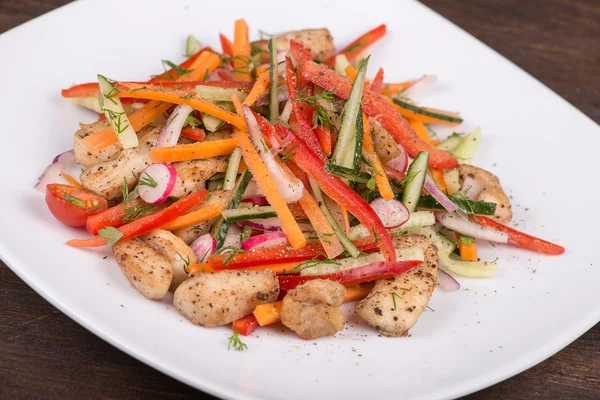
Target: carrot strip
{"type": "Point", "coordinates": [270, 313]}
{"type": "Point", "coordinates": [259, 88]}
{"type": "Point", "coordinates": [467, 253]}
{"type": "Point", "coordinates": [351, 72]}
{"type": "Point", "coordinates": [71, 181]}
{"type": "Point", "coordinates": [262, 68]}
{"type": "Point", "coordinates": [420, 129]}
{"type": "Point", "coordinates": [324, 135]}
{"type": "Point", "coordinates": [394, 88]}
{"type": "Point", "coordinates": [204, 64]}
{"type": "Point", "coordinates": [237, 104]}
{"type": "Point", "coordinates": [346, 218]}
{"type": "Point", "coordinates": [438, 178]}
{"type": "Point", "coordinates": [330, 242]}
{"type": "Point", "coordinates": [267, 186]}
{"type": "Point", "coordinates": [195, 217]}
{"type": "Point", "coordinates": [193, 151]}
{"type": "Point", "coordinates": [373, 160]}
{"type": "Point", "coordinates": [226, 45]}
{"type": "Point", "coordinates": [193, 269]}
{"type": "Point", "coordinates": [241, 51]}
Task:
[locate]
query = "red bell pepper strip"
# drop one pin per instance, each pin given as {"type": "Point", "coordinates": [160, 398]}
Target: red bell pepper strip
{"type": "Point", "coordinates": [281, 253]}
{"type": "Point", "coordinates": [394, 174]}
{"type": "Point", "coordinates": [300, 174]}
{"type": "Point", "coordinates": [224, 75]}
{"type": "Point", "coordinates": [353, 276]}
{"type": "Point", "coordinates": [150, 222]}
{"type": "Point", "coordinates": [377, 107]}
{"type": "Point", "coordinates": [194, 133]}
{"type": "Point", "coordinates": [226, 45]}
{"type": "Point", "coordinates": [172, 74]}
{"type": "Point", "coordinates": [341, 193]}
{"type": "Point", "coordinates": [521, 239]}
{"type": "Point", "coordinates": [111, 217]}
{"type": "Point", "coordinates": [324, 135]}
{"type": "Point", "coordinates": [377, 81]}
{"type": "Point", "coordinates": [357, 46]}
{"type": "Point", "coordinates": [245, 325]}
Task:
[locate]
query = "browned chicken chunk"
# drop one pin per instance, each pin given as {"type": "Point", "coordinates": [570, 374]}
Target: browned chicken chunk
{"type": "Point", "coordinates": [481, 185]}
{"type": "Point", "coordinates": [192, 174]}
{"type": "Point", "coordinates": [311, 309]}
{"type": "Point", "coordinates": [318, 41]}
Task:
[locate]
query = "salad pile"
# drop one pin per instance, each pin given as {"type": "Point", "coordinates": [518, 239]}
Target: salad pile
{"type": "Point", "coordinates": [273, 181]}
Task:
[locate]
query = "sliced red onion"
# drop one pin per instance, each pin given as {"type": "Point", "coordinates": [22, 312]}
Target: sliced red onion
{"type": "Point", "coordinates": [419, 87]}
{"type": "Point", "coordinates": [392, 213]}
{"type": "Point", "coordinates": [264, 99]}
{"type": "Point", "coordinates": [290, 187]}
{"type": "Point", "coordinates": [50, 175]}
{"type": "Point", "coordinates": [447, 281]}
{"type": "Point", "coordinates": [204, 247]}
{"type": "Point", "coordinates": [287, 111]}
{"type": "Point", "coordinates": [467, 227]}
{"type": "Point", "coordinates": [271, 225]}
{"type": "Point", "coordinates": [437, 194]}
{"type": "Point", "coordinates": [169, 135]}
{"type": "Point", "coordinates": [257, 201]}
{"type": "Point", "coordinates": [157, 182]}
{"type": "Point", "coordinates": [264, 241]}
{"type": "Point", "coordinates": [471, 188]}
{"type": "Point", "coordinates": [400, 162]}
{"type": "Point", "coordinates": [233, 237]}
{"type": "Point", "coordinates": [64, 162]}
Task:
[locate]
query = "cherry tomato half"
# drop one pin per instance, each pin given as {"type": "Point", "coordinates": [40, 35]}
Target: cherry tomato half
{"type": "Point", "coordinates": [72, 206]}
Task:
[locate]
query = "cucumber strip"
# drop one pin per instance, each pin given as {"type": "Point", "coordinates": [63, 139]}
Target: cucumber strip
{"type": "Point", "coordinates": [243, 214]}
{"type": "Point", "coordinates": [467, 148]}
{"type": "Point", "coordinates": [219, 176]}
{"type": "Point", "coordinates": [347, 243]}
{"type": "Point", "coordinates": [429, 112]}
{"type": "Point", "coordinates": [232, 169]}
{"type": "Point", "coordinates": [341, 63]}
{"type": "Point", "coordinates": [192, 46]}
{"type": "Point", "coordinates": [415, 178]}
{"type": "Point", "coordinates": [450, 143]}
{"type": "Point", "coordinates": [212, 124]}
{"type": "Point", "coordinates": [347, 173]}
{"type": "Point", "coordinates": [220, 227]}
{"type": "Point", "coordinates": [418, 219]}
{"type": "Point", "coordinates": [346, 147]}
{"type": "Point", "coordinates": [469, 206]}
{"type": "Point", "coordinates": [331, 266]}
{"type": "Point", "coordinates": [273, 78]}
{"type": "Point", "coordinates": [115, 114]}
{"type": "Point", "coordinates": [359, 140]}
{"type": "Point", "coordinates": [214, 93]}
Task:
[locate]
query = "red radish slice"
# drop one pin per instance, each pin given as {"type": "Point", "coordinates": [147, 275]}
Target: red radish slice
{"type": "Point", "coordinates": [447, 281]}
{"type": "Point", "coordinates": [466, 227]}
{"type": "Point", "coordinates": [257, 201]}
{"type": "Point", "coordinates": [265, 240]}
{"type": "Point", "coordinates": [271, 225]}
{"type": "Point", "coordinates": [204, 247]}
{"type": "Point", "coordinates": [400, 162]}
{"type": "Point", "coordinates": [64, 162]}
{"type": "Point", "coordinates": [437, 194]}
{"type": "Point", "coordinates": [233, 237]}
{"type": "Point", "coordinates": [169, 135]}
{"type": "Point", "coordinates": [157, 182]}
{"type": "Point", "coordinates": [392, 213]}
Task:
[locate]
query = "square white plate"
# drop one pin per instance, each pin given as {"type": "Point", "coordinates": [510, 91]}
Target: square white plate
{"type": "Point", "coordinates": [539, 145]}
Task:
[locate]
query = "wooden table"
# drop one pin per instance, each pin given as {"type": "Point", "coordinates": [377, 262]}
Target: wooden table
{"type": "Point", "coordinates": [44, 354]}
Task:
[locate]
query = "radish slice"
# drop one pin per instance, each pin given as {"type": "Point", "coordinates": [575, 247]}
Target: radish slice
{"type": "Point", "coordinates": [157, 182]}
{"type": "Point", "coordinates": [447, 281]}
{"type": "Point", "coordinates": [257, 201]}
{"type": "Point", "coordinates": [264, 241]}
{"type": "Point", "coordinates": [471, 188]}
{"type": "Point", "coordinates": [64, 162]}
{"type": "Point", "coordinates": [400, 162]}
{"type": "Point", "coordinates": [204, 247]}
{"type": "Point", "coordinates": [169, 135]}
{"type": "Point", "coordinates": [437, 194]}
{"type": "Point", "coordinates": [233, 237]}
{"type": "Point", "coordinates": [271, 225]}
{"type": "Point", "coordinates": [290, 187]}
{"type": "Point", "coordinates": [392, 213]}
{"type": "Point", "coordinates": [419, 87]}
{"type": "Point", "coordinates": [466, 227]}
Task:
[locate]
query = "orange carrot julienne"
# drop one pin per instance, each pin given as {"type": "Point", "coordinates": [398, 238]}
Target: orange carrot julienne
{"type": "Point", "coordinates": [394, 88]}
{"type": "Point", "coordinates": [467, 253]}
{"type": "Point", "coordinates": [381, 179]}
{"type": "Point", "coordinates": [237, 104]}
{"type": "Point", "coordinates": [226, 45]}
{"type": "Point", "coordinates": [346, 219]}
{"type": "Point", "coordinates": [193, 151]}
{"type": "Point", "coordinates": [351, 72]}
{"type": "Point", "coordinates": [193, 269]}
{"type": "Point", "coordinates": [259, 88]}
{"type": "Point", "coordinates": [262, 68]}
{"type": "Point", "coordinates": [195, 217]}
{"type": "Point", "coordinates": [269, 188]}
{"type": "Point", "coordinates": [241, 51]}
{"type": "Point", "coordinates": [421, 130]}
{"type": "Point", "coordinates": [71, 181]}
{"type": "Point", "coordinates": [330, 242]}
{"type": "Point", "coordinates": [438, 178]}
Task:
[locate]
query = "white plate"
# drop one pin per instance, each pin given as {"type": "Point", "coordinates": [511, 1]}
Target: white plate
{"type": "Point", "coordinates": [540, 146]}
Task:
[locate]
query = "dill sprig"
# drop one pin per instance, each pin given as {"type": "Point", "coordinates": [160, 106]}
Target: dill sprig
{"type": "Point", "coordinates": [229, 252]}
{"type": "Point", "coordinates": [147, 180]}
{"type": "Point", "coordinates": [236, 342]}
{"type": "Point", "coordinates": [321, 114]}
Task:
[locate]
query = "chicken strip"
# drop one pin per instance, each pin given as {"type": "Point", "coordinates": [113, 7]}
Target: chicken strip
{"type": "Point", "coordinates": [173, 249]}
{"type": "Point", "coordinates": [146, 269]}
{"type": "Point", "coordinates": [385, 145]}
{"type": "Point", "coordinates": [311, 309]}
{"type": "Point", "coordinates": [192, 175]}
{"type": "Point", "coordinates": [106, 179]}
{"type": "Point", "coordinates": [88, 157]}
{"type": "Point", "coordinates": [190, 233]}
{"type": "Point", "coordinates": [318, 41]}
{"type": "Point", "coordinates": [212, 299]}
{"type": "Point", "coordinates": [479, 184]}
{"type": "Point", "coordinates": [395, 304]}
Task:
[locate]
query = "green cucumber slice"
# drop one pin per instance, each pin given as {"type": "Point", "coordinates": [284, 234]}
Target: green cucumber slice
{"type": "Point", "coordinates": [415, 180]}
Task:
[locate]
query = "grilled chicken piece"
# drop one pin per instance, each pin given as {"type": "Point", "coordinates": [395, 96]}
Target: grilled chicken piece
{"type": "Point", "coordinates": [218, 135]}
{"type": "Point", "coordinates": [146, 269]}
{"type": "Point", "coordinates": [479, 184]}
{"type": "Point", "coordinates": [190, 233]}
{"type": "Point", "coordinates": [88, 157]}
{"type": "Point", "coordinates": [106, 179]}
{"type": "Point", "coordinates": [311, 309]}
{"type": "Point", "coordinates": [410, 292]}
{"type": "Point", "coordinates": [173, 249]}
{"type": "Point", "coordinates": [385, 145]}
{"type": "Point", "coordinates": [192, 175]}
{"type": "Point", "coordinates": [318, 41]}
{"type": "Point", "coordinates": [212, 299]}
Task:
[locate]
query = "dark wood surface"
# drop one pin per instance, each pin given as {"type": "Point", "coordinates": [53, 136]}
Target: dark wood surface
{"type": "Point", "coordinates": [43, 354]}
